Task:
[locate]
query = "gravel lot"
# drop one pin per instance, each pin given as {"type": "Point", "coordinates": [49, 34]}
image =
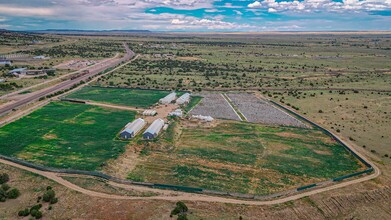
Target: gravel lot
{"type": "Point", "coordinates": [261, 111]}
{"type": "Point", "coordinates": [216, 106]}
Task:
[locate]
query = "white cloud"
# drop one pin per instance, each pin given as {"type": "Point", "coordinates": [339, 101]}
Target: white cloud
{"type": "Point", "coordinates": [321, 5]}
{"type": "Point", "coordinates": [195, 23]}
{"type": "Point", "coordinates": [272, 10]}
{"type": "Point", "coordinates": [25, 11]}
{"type": "Point", "coordinates": [238, 12]}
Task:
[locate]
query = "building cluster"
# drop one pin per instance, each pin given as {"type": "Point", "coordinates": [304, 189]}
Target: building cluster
{"type": "Point", "coordinates": [183, 99]}
{"type": "Point", "coordinates": [149, 112]}
{"type": "Point", "coordinates": [133, 128]}
{"type": "Point", "coordinates": [24, 71]}
{"type": "Point", "coordinates": [176, 113]}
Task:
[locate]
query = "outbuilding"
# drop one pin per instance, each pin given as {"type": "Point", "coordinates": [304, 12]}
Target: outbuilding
{"type": "Point", "coordinates": [184, 99]}
{"type": "Point", "coordinates": [154, 129]}
{"type": "Point", "coordinates": [131, 129]}
{"type": "Point", "coordinates": [168, 99]}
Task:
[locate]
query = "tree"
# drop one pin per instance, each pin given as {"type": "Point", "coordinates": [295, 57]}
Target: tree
{"type": "Point", "coordinates": [49, 195]}
{"type": "Point", "coordinates": [180, 210]}
{"type": "Point", "coordinates": [4, 178]}
{"type": "Point", "coordinates": [13, 193]}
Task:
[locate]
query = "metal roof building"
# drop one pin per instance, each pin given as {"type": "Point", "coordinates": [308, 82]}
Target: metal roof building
{"type": "Point", "coordinates": [168, 99]}
{"type": "Point", "coordinates": [149, 112]}
{"type": "Point", "coordinates": [154, 129]}
{"type": "Point", "coordinates": [131, 129]}
{"type": "Point", "coordinates": [185, 98]}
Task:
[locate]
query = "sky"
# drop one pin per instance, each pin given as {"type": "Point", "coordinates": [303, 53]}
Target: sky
{"type": "Point", "coordinates": [197, 15]}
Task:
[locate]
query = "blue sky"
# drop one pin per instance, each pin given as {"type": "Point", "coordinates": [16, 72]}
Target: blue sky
{"type": "Point", "coordinates": [197, 15]}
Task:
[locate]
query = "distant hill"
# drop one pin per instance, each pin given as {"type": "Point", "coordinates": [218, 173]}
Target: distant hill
{"type": "Point", "coordinates": [89, 32]}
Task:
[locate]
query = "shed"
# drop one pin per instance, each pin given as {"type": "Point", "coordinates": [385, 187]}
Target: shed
{"type": "Point", "coordinates": [131, 129]}
{"type": "Point", "coordinates": [149, 112]}
{"type": "Point", "coordinates": [154, 129]}
{"type": "Point", "coordinates": [184, 99]}
{"type": "Point", "coordinates": [168, 99]}
{"type": "Point", "coordinates": [18, 71]}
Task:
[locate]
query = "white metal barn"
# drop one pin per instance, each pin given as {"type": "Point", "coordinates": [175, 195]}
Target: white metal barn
{"type": "Point", "coordinates": [177, 113]}
{"type": "Point", "coordinates": [184, 99]}
{"type": "Point", "coordinates": [168, 99]}
{"type": "Point", "coordinates": [131, 129]}
{"type": "Point", "coordinates": [154, 129]}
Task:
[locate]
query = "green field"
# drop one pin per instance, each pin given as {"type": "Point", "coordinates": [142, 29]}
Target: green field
{"type": "Point", "coordinates": [245, 158]}
{"type": "Point", "coordinates": [129, 97]}
{"type": "Point", "coordinates": [66, 135]}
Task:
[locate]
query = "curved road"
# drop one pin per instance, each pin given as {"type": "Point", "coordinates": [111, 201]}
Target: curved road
{"type": "Point", "coordinates": [69, 83]}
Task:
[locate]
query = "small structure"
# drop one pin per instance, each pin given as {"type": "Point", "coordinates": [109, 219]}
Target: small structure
{"type": "Point", "coordinates": [18, 71]}
{"type": "Point", "coordinates": [149, 112]}
{"type": "Point", "coordinates": [40, 57]}
{"type": "Point", "coordinates": [184, 99]}
{"type": "Point", "coordinates": [131, 129]}
{"type": "Point", "coordinates": [177, 113]}
{"type": "Point", "coordinates": [154, 129]}
{"type": "Point", "coordinates": [168, 99]}
{"type": "Point", "coordinates": [203, 118]}
{"type": "Point", "coordinates": [2, 80]}
{"type": "Point", "coordinates": [5, 62]}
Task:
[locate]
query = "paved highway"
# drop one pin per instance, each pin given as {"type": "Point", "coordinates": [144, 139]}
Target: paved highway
{"type": "Point", "coordinates": [68, 83]}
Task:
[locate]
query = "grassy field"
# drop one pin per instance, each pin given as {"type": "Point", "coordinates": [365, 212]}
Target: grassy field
{"type": "Point", "coordinates": [129, 97]}
{"type": "Point", "coordinates": [245, 158]}
{"type": "Point", "coordinates": [193, 102]}
{"type": "Point", "coordinates": [362, 117]}
{"type": "Point", "coordinates": [66, 135]}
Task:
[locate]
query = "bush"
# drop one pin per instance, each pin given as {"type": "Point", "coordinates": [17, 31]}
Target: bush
{"type": "Point", "coordinates": [5, 187]}
{"type": "Point", "coordinates": [49, 195]}
{"type": "Point", "coordinates": [4, 178]}
{"type": "Point", "coordinates": [53, 201]}
{"type": "Point", "coordinates": [24, 213]}
{"type": "Point", "coordinates": [13, 193]}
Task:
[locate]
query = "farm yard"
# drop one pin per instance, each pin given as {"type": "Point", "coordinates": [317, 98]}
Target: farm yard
{"type": "Point", "coordinates": [245, 158]}
{"type": "Point", "coordinates": [214, 104]}
{"type": "Point", "coordinates": [261, 111]}
{"type": "Point", "coordinates": [120, 96]}
{"type": "Point", "coordinates": [65, 135]}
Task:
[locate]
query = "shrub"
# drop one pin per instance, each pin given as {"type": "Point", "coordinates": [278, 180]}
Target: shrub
{"type": "Point", "coordinates": [5, 187]}
{"type": "Point", "coordinates": [49, 195]}
{"type": "Point", "coordinates": [4, 178]}
{"type": "Point", "coordinates": [24, 213]}
{"type": "Point", "coordinates": [13, 193]}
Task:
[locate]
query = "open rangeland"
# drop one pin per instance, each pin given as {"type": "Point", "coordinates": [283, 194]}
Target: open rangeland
{"type": "Point", "coordinates": [120, 96]}
{"type": "Point", "coordinates": [243, 157]}
{"type": "Point", "coordinates": [65, 135]}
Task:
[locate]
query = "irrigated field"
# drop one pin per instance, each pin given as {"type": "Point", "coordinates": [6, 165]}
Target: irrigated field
{"type": "Point", "coordinates": [129, 97]}
{"type": "Point", "coordinates": [66, 135]}
{"type": "Point", "coordinates": [245, 158]}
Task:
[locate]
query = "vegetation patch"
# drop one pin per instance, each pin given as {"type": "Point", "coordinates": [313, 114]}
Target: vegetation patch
{"type": "Point", "coordinates": [58, 135]}
{"type": "Point", "coordinates": [120, 96]}
{"type": "Point", "coordinates": [246, 158]}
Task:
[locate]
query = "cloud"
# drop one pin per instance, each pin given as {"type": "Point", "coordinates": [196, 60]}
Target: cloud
{"type": "Point", "coordinates": [25, 11]}
{"type": "Point", "coordinates": [195, 23]}
{"type": "Point", "coordinates": [271, 10]}
{"type": "Point", "coordinates": [321, 5]}
{"type": "Point", "coordinates": [238, 12]}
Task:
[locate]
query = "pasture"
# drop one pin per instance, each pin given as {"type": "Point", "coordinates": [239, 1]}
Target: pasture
{"type": "Point", "coordinates": [120, 96]}
{"type": "Point", "coordinates": [66, 135]}
{"type": "Point", "coordinates": [245, 158]}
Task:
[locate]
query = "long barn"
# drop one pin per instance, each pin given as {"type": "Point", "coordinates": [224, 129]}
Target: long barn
{"type": "Point", "coordinates": [132, 129]}
{"type": "Point", "coordinates": [154, 129]}
{"type": "Point", "coordinates": [168, 99]}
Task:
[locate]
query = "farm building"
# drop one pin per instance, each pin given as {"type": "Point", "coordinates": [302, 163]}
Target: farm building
{"type": "Point", "coordinates": [177, 113]}
{"type": "Point", "coordinates": [184, 99]}
{"type": "Point", "coordinates": [203, 118]}
{"type": "Point", "coordinates": [5, 62]}
{"type": "Point", "coordinates": [168, 99]}
{"type": "Point", "coordinates": [154, 129]}
{"type": "Point", "coordinates": [149, 112]}
{"type": "Point", "coordinates": [131, 129]}
{"type": "Point", "coordinates": [18, 71]}
{"type": "Point", "coordinates": [40, 57]}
